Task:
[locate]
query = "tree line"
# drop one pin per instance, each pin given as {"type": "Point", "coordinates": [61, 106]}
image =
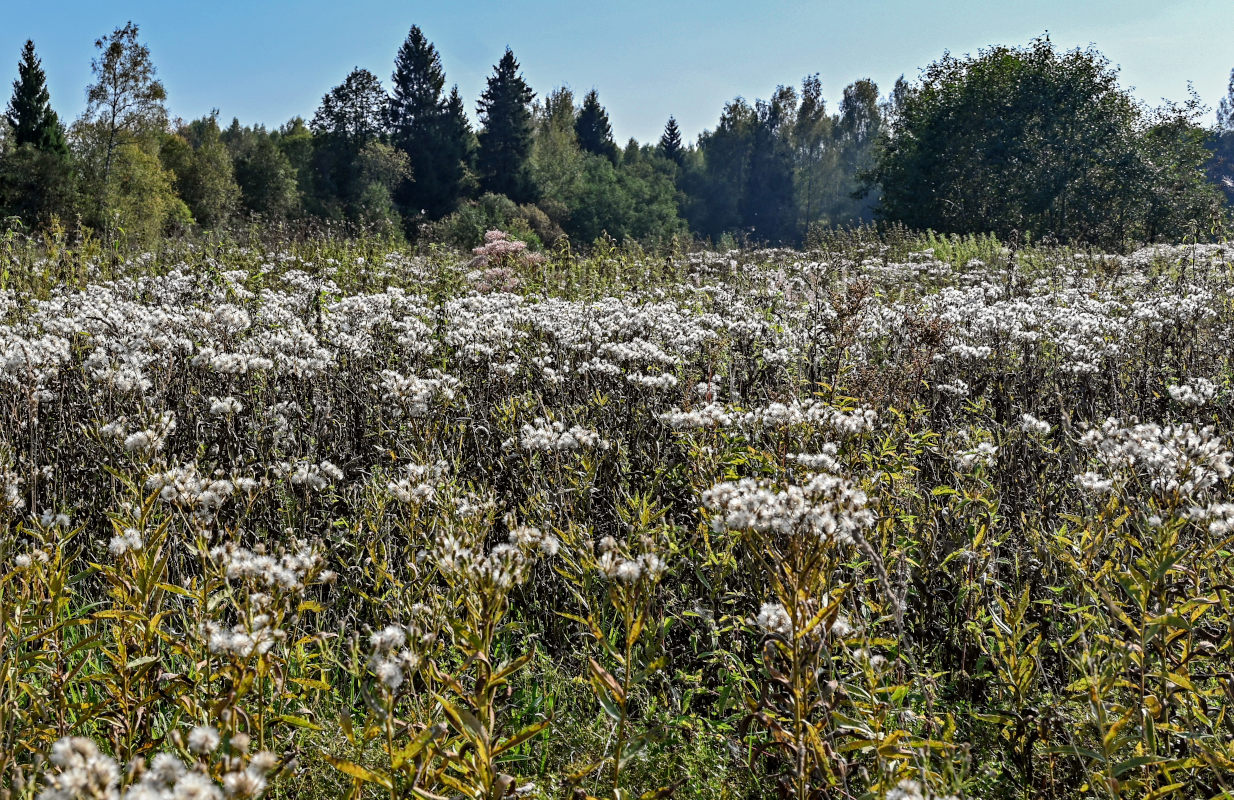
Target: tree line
{"type": "Point", "coordinates": [1022, 142]}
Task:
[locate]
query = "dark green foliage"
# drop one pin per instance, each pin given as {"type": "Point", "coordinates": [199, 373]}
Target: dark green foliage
{"type": "Point", "coordinates": [416, 86]}
{"type": "Point", "coordinates": [354, 174]}
{"type": "Point", "coordinates": [30, 113]}
{"type": "Point", "coordinates": [767, 206]}
{"type": "Point", "coordinates": [36, 175]}
{"type": "Point", "coordinates": [505, 140]}
{"type": "Point", "coordinates": [264, 173]}
{"type": "Point", "coordinates": [204, 174]}
{"type": "Point", "coordinates": [670, 142]}
{"type": "Point", "coordinates": [295, 142]}
{"type": "Point", "coordinates": [431, 129]}
{"type": "Point", "coordinates": [354, 112]}
{"type": "Point", "coordinates": [458, 147]}
{"type": "Point", "coordinates": [593, 130]}
{"type": "Point", "coordinates": [36, 185]}
{"type": "Point", "coordinates": [717, 192]}
{"type": "Point", "coordinates": [588, 194]}
{"type": "Point", "coordinates": [1034, 141]}
{"type": "Point", "coordinates": [636, 200]}
{"type": "Point", "coordinates": [1220, 165]}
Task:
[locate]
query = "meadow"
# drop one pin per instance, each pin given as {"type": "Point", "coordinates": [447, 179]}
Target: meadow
{"type": "Point", "coordinates": [898, 516]}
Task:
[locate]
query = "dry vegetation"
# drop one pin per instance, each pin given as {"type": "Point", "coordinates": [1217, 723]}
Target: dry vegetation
{"type": "Point", "coordinates": [896, 518]}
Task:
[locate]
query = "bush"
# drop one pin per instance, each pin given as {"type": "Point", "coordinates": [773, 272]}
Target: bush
{"type": "Point", "coordinates": [465, 228]}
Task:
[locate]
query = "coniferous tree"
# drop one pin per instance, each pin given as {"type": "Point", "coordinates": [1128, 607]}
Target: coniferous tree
{"type": "Point", "coordinates": [505, 141]}
{"type": "Point", "coordinates": [415, 95]}
{"type": "Point", "coordinates": [30, 113]}
{"type": "Point", "coordinates": [36, 175]}
{"type": "Point", "coordinates": [670, 142]}
{"type": "Point", "coordinates": [415, 117]}
{"type": "Point", "coordinates": [458, 143]}
{"type": "Point", "coordinates": [425, 126]}
{"type": "Point", "coordinates": [593, 130]}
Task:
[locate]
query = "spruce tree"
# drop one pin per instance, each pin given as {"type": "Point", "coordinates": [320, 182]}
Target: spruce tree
{"type": "Point", "coordinates": [670, 142]}
{"type": "Point", "coordinates": [423, 126]}
{"type": "Point", "coordinates": [503, 160]}
{"type": "Point", "coordinates": [30, 113]}
{"type": "Point", "coordinates": [458, 145]}
{"type": "Point", "coordinates": [592, 128]}
{"type": "Point", "coordinates": [415, 97]}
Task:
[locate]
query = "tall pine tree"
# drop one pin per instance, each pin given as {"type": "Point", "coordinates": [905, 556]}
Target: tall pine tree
{"type": "Point", "coordinates": [458, 147]}
{"type": "Point", "coordinates": [423, 126]}
{"type": "Point", "coordinates": [30, 113]}
{"type": "Point", "coordinates": [503, 160]}
{"type": "Point", "coordinates": [593, 130]}
{"type": "Point", "coordinates": [36, 180]}
{"type": "Point", "coordinates": [670, 142]}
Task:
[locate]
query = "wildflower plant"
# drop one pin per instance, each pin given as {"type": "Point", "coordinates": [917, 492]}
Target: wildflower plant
{"type": "Point", "coordinates": [630, 650]}
{"type": "Point", "coordinates": [897, 516]}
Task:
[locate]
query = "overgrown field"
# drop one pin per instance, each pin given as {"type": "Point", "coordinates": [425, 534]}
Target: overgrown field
{"type": "Point", "coordinates": [900, 519]}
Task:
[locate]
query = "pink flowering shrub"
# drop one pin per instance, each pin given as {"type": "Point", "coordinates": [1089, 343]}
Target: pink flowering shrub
{"type": "Point", "coordinates": [497, 262]}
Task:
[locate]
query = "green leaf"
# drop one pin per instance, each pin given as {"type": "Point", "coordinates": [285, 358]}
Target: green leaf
{"type": "Point", "coordinates": [141, 662]}
{"type": "Point", "coordinates": [358, 772]}
{"type": "Point", "coordinates": [300, 722]}
{"type": "Point", "coordinates": [465, 723]}
{"type": "Point", "coordinates": [520, 737]}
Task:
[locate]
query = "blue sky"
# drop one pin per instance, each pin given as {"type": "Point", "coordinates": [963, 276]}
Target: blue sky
{"type": "Point", "coordinates": [268, 60]}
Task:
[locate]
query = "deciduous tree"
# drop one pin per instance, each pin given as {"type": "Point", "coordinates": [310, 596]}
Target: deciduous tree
{"type": "Point", "coordinates": [126, 100]}
{"type": "Point", "coordinates": [1035, 141]}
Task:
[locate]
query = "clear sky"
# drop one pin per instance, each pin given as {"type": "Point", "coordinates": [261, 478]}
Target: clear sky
{"type": "Point", "coordinates": [268, 60]}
